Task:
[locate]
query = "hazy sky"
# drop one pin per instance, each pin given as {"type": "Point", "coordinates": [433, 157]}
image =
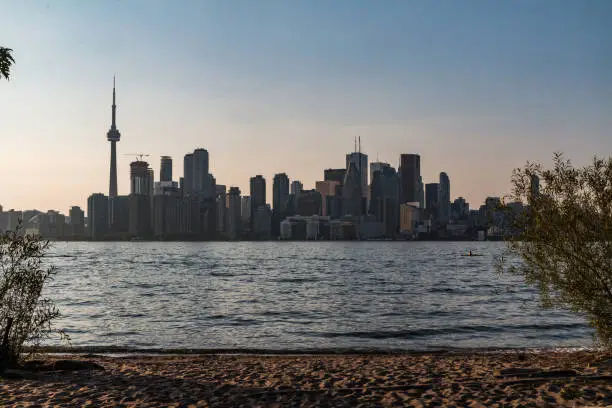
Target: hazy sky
{"type": "Point", "coordinates": [475, 87]}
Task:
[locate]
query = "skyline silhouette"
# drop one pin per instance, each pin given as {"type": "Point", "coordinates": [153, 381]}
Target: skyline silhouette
{"type": "Point", "coordinates": [476, 91]}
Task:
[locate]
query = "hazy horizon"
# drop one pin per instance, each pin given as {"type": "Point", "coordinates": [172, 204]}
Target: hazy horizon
{"type": "Point", "coordinates": [476, 88]}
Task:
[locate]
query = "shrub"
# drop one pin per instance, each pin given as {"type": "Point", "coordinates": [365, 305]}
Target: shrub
{"type": "Point", "coordinates": [565, 238]}
{"type": "Point", "coordinates": [26, 314]}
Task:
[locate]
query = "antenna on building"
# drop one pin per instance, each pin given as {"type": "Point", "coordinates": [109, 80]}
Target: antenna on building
{"type": "Point", "coordinates": [355, 144]}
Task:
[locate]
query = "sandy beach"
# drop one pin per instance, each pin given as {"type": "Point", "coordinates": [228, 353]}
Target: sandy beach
{"type": "Point", "coordinates": [512, 379]}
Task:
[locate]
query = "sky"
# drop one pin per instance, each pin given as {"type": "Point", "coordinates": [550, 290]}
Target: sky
{"type": "Point", "coordinates": [476, 87]}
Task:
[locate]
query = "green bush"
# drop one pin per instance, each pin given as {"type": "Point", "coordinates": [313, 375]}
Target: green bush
{"type": "Point", "coordinates": [565, 239]}
{"type": "Point", "coordinates": [23, 309]}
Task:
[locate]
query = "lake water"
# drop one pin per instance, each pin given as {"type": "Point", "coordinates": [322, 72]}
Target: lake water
{"type": "Point", "coordinates": [300, 296]}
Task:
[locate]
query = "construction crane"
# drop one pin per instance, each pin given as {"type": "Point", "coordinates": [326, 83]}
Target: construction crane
{"type": "Point", "coordinates": [139, 156]}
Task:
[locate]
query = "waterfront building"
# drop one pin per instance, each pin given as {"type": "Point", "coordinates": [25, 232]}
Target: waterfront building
{"type": "Point", "coordinates": [140, 201]}
{"type": "Point", "coordinates": [77, 221]}
{"type": "Point", "coordinates": [410, 177]}
{"type": "Point", "coordinates": [444, 199]}
{"type": "Point", "coordinates": [234, 214]}
{"type": "Point", "coordinates": [188, 175]}
{"type": "Point", "coordinates": [245, 210]}
{"type": "Point", "coordinates": [409, 219]}
{"type": "Point", "coordinates": [326, 189]}
{"type": "Point", "coordinates": [280, 193]}
{"type": "Point", "coordinates": [165, 169]}
{"type": "Point", "coordinates": [360, 162]}
{"type": "Point", "coordinates": [262, 222]}
{"type": "Point", "coordinates": [337, 175]}
{"type": "Point", "coordinates": [352, 196]}
{"type": "Point", "coordinates": [431, 200]}
{"type": "Point", "coordinates": [310, 203]}
{"type": "Point", "coordinates": [221, 209]}
{"type": "Point", "coordinates": [377, 166]}
{"type": "Point", "coordinates": [97, 215]}
{"type": "Point", "coordinates": [258, 194]}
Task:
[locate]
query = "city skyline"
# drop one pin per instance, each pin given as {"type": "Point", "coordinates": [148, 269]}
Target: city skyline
{"type": "Point", "coordinates": [475, 91]}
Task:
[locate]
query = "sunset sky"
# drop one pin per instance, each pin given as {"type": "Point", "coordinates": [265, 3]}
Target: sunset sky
{"type": "Point", "coordinates": [475, 87]}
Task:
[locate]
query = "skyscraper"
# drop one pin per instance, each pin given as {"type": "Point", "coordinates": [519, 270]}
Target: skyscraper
{"type": "Point", "coordinates": [201, 180]}
{"type": "Point", "coordinates": [258, 193]}
{"type": "Point", "coordinates": [113, 137]}
{"type": "Point", "coordinates": [188, 174]}
{"type": "Point", "coordinates": [165, 169]}
{"type": "Point", "coordinates": [140, 201]}
{"type": "Point", "coordinates": [334, 175]}
{"type": "Point", "coordinates": [410, 176]}
{"type": "Point", "coordinates": [431, 200]}
{"type": "Point", "coordinates": [360, 161]}
{"type": "Point", "coordinates": [444, 198]}
{"type": "Point", "coordinates": [377, 166]}
{"type": "Point", "coordinates": [97, 215]}
{"type": "Point", "coordinates": [280, 193]}
{"type": "Point", "coordinates": [234, 213]}
{"type": "Point", "coordinates": [296, 187]}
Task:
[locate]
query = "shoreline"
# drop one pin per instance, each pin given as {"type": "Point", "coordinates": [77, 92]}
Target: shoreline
{"type": "Point", "coordinates": [446, 351]}
{"type": "Point", "coordinates": [565, 379]}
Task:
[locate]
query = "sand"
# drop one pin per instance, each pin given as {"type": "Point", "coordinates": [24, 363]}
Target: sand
{"type": "Point", "coordinates": [575, 379]}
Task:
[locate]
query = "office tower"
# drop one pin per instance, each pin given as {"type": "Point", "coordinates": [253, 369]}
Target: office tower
{"type": "Point", "coordinates": [327, 189]}
{"type": "Point", "coordinates": [113, 136]}
{"type": "Point", "coordinates": [165, 169]}
{"type": "Point", "coordinates": [77, 221]}
{"type": "Point", "coordinates": [280, 193]}
{"type": "Point", "coordinates": [97, 215]}
{"type": "Point", "coordinates": [221, 209]}
{"type": "Point", "coordinates": [262, 222]}
{"type": "Point", "coordinates": [121, 215]}
{"type": "Point", "coordinates": [384, 199]}
{"type": "Point", "coordinates": [245, 210]}
{"type": "Point", "coordinates": [431, 200]}
{"type": "Point", "coordinates": [377, 166]}
{"type": "Point", "coordinates": [167, 210]}
{"type": "Point", "coordinates": [234, 213]}
{"type": "Point", "coordinates": [141, 190]}
{"type": "Point", "coordinates": [188, 174]}
{"type": "Point", "coordinates": [334, 175]}
{"type": "Point", "coordinates": [201, 179]}
{"type": "Point", "coordinates": [296, 188]}
{"type": "Point", "coordinates": [460, 209]}
{"type": "Point", "coordinates": [309, 203]}
{"type": "Point", "coordinates": [352, 196]}
{"type": "Point", "coordinates": [421, 193]}
{"type": "Point", "coordinates": [410, 173]}
{"type": "Point", "coordinates": [360, 162]}
{"type": "Point", "coordinates": [444, 198]}
{"type": "Point", "coordinates": [258, 193]}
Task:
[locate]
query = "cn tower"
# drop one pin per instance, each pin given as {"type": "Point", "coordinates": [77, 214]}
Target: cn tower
{"type": "Point", "coordinates": [113, 136]}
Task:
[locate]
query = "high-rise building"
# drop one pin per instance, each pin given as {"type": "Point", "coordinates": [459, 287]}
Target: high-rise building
{"type": "Point", "coordinates": [326, 189]}
{"type": "Point", "coordinates": [360, 162]}
{"type": "Point", "coordinates": [113, 136]}
{"type": "Point", "coordinates": [201, 179]}
{"type": "Point", "coordinates": [377, 166]}
{"type": "Point", "coordinates": [262, 222]}
{"type": "Point", "coordinates": [280, 193]}
{"type": "Point", "coordinates": [167, 210]}
{"type": "Point", "coordinates": [165, 169]}
{"type": "Point", "coordinates": [444, 198]}
{"type": "Point", "coordinates": [221, 210]}
{"type": "Point", "coordinates": [258, 192]}
{"type": "Point", "coordinates": [245, 210]}
{"type": "Point", "coordinates": [141, 198]}
{"type": "Point", "coordinates": [97, 215]}
{"type": "Point", "coordinates": [431, 200]}
{"type": "Point", "coordinates": [77, 221]}
{"type": "Point", "coordinates": [188, 174]}
{"type": "Point", "coordinates": [334, 175]}
{"type": "Point", "coordinates": [352, 196]}
{"type": "Point", "coordinates": [309, 203]}
{"type": "Point", "coordinates": [410, 178]}
{"type": "Point", "coordinates": [234, 213]}
{"type": "Point", "coordinates": [296, 187]}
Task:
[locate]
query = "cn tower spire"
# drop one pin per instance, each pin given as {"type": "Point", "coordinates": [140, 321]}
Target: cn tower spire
{"type": "Point", "coordinates": [113, 136]}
